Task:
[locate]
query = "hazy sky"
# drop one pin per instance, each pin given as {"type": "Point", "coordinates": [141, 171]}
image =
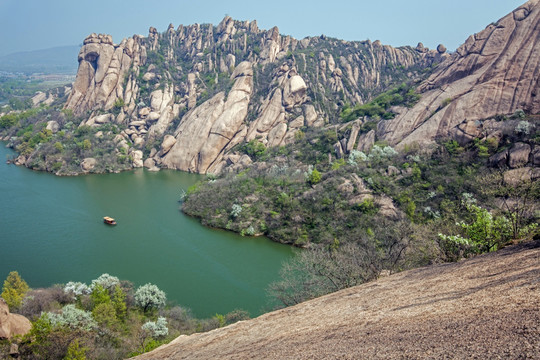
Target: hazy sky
{"type": "Point", "coordinates": [38, 24]}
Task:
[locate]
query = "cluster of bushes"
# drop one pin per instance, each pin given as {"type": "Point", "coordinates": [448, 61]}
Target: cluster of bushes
{"type": "Point", "coordinates": [62, 151]}
{"type": "Point", "coordinates": [108, 319]}
{"type": "Point", "coordinates": [404, 95]}
{"type": "Point", "coordinates": [302, 195]}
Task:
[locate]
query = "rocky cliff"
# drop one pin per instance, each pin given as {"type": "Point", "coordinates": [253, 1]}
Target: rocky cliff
{"type": "Point", "coordinates": [186, 97]}
{"type": "Point", "coordinates": [449, 311]}
{"type": "Point", "coordinates": [495, 72]}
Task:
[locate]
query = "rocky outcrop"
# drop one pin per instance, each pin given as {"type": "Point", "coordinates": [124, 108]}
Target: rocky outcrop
{"type": "Point", "coordinates": [103, 67]}
{"type": "Point", "coordinates": [12, 324]}
{"type": "Point", "coordinates": [88, 164]}
{"type": "Point", "coordinates": [496, 71]}
{"type": "Point", "coordinates": [194, 84]}
{"type": "Point", "coordinates": [208, 129]}
{"type": "Point", "coordinates": [412, 314]}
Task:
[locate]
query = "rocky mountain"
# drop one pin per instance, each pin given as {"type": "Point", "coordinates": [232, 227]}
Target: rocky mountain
{"type": "Point", "coordinates": [188, 96]}
{"type": "Point", "coordinates": [494, 73]}
{"type": "Point", "coordinates": [444, 311]}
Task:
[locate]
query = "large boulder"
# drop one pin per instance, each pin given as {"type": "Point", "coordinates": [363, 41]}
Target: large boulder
{"type": "Point", "coordinates": [518, 155]}
{"type": "Point", "coordinates": [88, 164]}
{"type": "Point", "coordinates": [53, 126]}
{"type": "Point", "coordinates": [12, 324]}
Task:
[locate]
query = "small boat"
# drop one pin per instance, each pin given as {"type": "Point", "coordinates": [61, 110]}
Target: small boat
{"type": "Point", "coordinates": [109, 220]}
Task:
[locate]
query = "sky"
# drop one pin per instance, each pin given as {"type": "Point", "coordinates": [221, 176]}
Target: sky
{"type": "Point", "coordinates": [39, 24]}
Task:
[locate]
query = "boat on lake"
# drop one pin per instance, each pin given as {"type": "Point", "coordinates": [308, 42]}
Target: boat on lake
{"type": "Point", "coordinates": [109, 220]}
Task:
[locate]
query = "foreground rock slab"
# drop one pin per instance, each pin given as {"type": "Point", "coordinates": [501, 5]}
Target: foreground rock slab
{"type": "Point", "coordinates": [483, 308]}
{"type": "Point", "coordinates": [12, 324]}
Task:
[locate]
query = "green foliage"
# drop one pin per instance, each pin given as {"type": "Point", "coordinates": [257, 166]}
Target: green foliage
{"type": "Point", "coordinates": [105, 315]}
{"type": "Point", "coordinates": [101, 321]}
{"type": "Point", "coordinates": [75, 351]}
{"type": "Point", "coordinates": [220, 319]}
{"type": "Point", "coordinates": [254, 148]}
{"type": "Point", "coordinates": [119, 302]}
{"type": "Point", "coordinates": [403, 95]}
{"type": "Point", "coordinates": [453, 147]}
{"type": "Point", "coordinates": [337, 164]}
{"type": "Point", "coordinates": [14, 290]}
{"type": "Point", "coordinates": [8, 121]}
{"type": "Point", "coordinates": [119, 103]}
{"type": "Point", "coordinates": [486, 232]}
{"type": "Point", "coordinates": [367, 207]}
{"type": "Point", "coordinates": [100, 295]}
{"type": "Point", "coordinates": [58, 146]}
{"type": "Point", "coordinates": [483, 233]}
{"type": "Point", "coordinates": [314, 177]}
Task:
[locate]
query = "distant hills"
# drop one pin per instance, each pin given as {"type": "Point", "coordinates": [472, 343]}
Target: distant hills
{"type": "Point", "coordinates": [57, 60]}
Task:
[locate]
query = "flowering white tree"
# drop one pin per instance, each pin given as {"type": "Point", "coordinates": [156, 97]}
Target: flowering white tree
{"type": "Point", "coordinates": [150, 296]}
{"type": "Point", "coordinates": [107, 281]}
{"type": "Point", "coordinates": [72, 317]}
{"type": "Point", "coordinates": [77, 288]}
{"type": "Point", "coordinates": [157, 328]}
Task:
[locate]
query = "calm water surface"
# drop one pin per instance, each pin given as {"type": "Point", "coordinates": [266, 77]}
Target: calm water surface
{"type": "Point", "coordinates": [51, 231]}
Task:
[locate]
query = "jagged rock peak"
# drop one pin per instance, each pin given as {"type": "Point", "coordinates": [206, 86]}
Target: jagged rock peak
{"type": "Point", "coordinates": [495, 72]}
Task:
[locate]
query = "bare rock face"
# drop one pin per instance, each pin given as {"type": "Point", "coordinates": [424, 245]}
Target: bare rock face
{"type": "Point", "coordinates": [207, 130]}
{"type": "Point", "coordinates": [12, 324]}
{"type": "Point", "coordinates": [495, 72]}
{"type": "Point", "coordinates": [102, 68]}
{"type": "Point", "coordinates": [53, 126]}
{"type": "Point", "coordinates": [366, 141]}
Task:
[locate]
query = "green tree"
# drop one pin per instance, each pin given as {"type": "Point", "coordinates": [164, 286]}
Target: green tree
{"type": "Point", "coordinates": [314, 177]}
{"type": "Point", "coordinates": [105, 315]}
{"type": "Point", "coordinates": [119, 302]}
{"type": "Point", "coordinates": [75, 351]}
{"type": "Point", "coordinates": [14, 290]}
{"type": "Point", "coordinates": [100, 295]}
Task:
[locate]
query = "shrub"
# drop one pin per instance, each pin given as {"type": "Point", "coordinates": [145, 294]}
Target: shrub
{"type": "Point", "coordinates": [107, 281]}
{"type": "Point", "coordinates": [72, 318]}
{"type": "Point", "coordinates": [524, 127]}
{"type": "Point", "coordinates": [77, 288]}
{"type": "Point", "coordinates": [149, 296]}
{"type": "Point", "coordinates": [157, 328]}
{"type": "Point", "coordinates": [314, 177]}
{"type": "Point", "coordinates": [14, 290]}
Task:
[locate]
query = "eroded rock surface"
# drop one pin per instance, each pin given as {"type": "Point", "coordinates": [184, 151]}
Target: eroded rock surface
{"type": "Point", "coordinates": [196, 84]}
{"type": "Point", "coordinates": [496, 71]}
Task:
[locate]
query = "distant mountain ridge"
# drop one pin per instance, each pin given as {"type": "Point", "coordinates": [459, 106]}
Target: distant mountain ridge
{"type": "Point", "coordinates": [56, 60]}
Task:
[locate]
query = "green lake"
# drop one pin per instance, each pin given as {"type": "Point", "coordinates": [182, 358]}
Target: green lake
{"type": "Point", "coordinates": [52, 232]}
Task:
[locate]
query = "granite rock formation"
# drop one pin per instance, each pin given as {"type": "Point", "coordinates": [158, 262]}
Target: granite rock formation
{"type": "Point", "coordinates": [214, 87]}
{"type": "Point", "coordinates": [495, 72]}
